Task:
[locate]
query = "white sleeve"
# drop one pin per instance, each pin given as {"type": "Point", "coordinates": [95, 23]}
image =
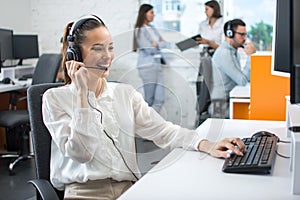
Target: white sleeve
{"type": "Point", "coordinates": [150, 125]}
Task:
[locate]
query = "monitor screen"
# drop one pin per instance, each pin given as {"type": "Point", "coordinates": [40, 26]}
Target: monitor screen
{"type": "Point", "coordinates": [296, 32]}
{"type": "Point", "coordinates": [295, 70]}
{"type": "Point", "coordinates": [6, 46]}
{"type": "Point", "coordinates": [286, 45]}
{"type": "Point", "coordinates": [281, 47]}
{"type": "Point", "coordinates": [25, 46]}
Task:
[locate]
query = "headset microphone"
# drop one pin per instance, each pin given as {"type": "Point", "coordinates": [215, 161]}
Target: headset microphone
{"type": "Point", "coordinates": [100, 68]}
{"type": "Point", "coordinates": [241, 45]}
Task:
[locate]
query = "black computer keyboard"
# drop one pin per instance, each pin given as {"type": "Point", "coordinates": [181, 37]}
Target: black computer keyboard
{"type": "Point", "coordinates": [258, 158]}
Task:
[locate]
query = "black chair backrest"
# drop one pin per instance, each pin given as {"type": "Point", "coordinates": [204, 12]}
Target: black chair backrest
{"type": "Point", "coordinates": [204, 81]}
{"type": "Point", "coordinates": [203, 87]}
{"type": "Point", "coordinates": [46, 68]}
{"type": "Point", "coordinates": [41, 138]}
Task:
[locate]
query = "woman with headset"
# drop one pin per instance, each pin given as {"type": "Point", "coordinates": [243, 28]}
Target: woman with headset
{"type": "Point", "coordinates": [93, 122]}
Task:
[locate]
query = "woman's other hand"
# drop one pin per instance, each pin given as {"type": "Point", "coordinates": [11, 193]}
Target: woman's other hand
{"type": "Point", "coordinates": [219, 149]}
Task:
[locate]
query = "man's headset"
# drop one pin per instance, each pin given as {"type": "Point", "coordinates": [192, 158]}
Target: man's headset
{"type": "Point", "coordinates": [73, 52]}
{"type": "Point", "coordinates": [229, 31]}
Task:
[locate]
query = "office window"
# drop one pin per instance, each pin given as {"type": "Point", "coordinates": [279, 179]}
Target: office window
{"type": "Point", "coordinates": [184, 16]}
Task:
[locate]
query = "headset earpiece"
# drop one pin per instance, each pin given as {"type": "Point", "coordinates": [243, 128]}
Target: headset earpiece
{"type": "Point", "coordinates": [73, 53]}
{"type": "Point", "coordinates": [70, 38]}
{"type": "Point", "coordinates": [229, 31]}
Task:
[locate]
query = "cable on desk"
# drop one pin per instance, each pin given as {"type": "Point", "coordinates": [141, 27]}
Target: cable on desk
{"type": "Point", "coordinates": [282, 141]}
{"type": "Point", "coordinates": [283, 156]}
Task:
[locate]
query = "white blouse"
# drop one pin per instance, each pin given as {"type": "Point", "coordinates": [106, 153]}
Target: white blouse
{"type": "Point", "coordinates": [80, 149]}
{"type": "Point", "coordinates": [214, 33]}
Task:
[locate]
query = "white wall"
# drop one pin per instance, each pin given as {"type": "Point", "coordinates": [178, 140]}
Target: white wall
{"type": "Point", "coordinates": [48, 18]}
{"type": "Point", "coordinates": [16, 15]}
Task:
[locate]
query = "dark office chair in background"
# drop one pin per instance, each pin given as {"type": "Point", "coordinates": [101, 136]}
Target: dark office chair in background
{"type": "Point", "coordinates": [203, 88]}
{"type": "Point", "coordinates": [17, 121]}
{"type": "Point", "coordinates": [41, 141]}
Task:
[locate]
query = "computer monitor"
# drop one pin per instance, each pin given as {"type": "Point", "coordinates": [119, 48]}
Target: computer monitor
{"type": "Point", "coordinates": [0, 62]}
{"type": "Point", "coordinates": [295, 70]}
{"type": "Point", "coordinates": [25, 46]}
{"type": "Point", "coordinates": [281, 44]}
{"type": "Point", "coordinates": [6, 46]}
{"type": "Point", "coordinates": [286, 45]}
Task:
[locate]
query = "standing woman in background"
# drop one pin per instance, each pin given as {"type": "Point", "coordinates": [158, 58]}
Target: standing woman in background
{"type": "Point", "coordinates": [211, 29]}
{"type": "Point", "coordinates": [148, 42]}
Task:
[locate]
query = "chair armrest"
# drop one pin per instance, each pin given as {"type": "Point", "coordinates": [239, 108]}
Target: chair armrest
{"type": "Point", "coordinates": [45, 189]}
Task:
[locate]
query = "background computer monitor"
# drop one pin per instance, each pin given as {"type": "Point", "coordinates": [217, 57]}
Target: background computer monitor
{"type": "Point", "coordinates": [0, 62]}
{"type": "Point", "coordinates": [286, 45]}
{"type": "Point", "coordinates": [25, 46]}
{"type": "Point", "coordinates": [6, 45]}
{"type": "Point", "coordinates": [295, 70]}
{"type": "Point", "coordinates": [281, 47]}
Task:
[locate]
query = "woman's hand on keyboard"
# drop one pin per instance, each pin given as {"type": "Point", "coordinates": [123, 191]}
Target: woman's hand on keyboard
{"type": "Point", "coordinates": [220, 149]}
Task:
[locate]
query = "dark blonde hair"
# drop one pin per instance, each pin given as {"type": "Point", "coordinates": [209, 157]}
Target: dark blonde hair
{"type": "Point", "coordinates": [79, 37]}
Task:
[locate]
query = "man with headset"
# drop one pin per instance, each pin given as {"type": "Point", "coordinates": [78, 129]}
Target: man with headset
{"type": "Point", "coordinates": [227, 70]}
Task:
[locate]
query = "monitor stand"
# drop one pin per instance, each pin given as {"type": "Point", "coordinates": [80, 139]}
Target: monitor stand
{"type": "Point", "coordinates": [293, 127]}
{"type": "Point", "coordinates": [20, 62]}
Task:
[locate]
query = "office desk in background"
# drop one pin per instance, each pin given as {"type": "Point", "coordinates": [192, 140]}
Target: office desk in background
{"type": "Point", "coordinates": [194, 175]}
{"type": "Point", "coordinates": [4, 100]}
{"type": "Point", "coordinates": [14, 73]}
{"type": "Point", "coordinates": [239, 102]}
{"type": "Point", "coordinates": [19, 85]}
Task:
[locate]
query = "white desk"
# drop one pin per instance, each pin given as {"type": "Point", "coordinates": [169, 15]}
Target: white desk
{"type": "Point", "coordinates": [17, 71]}
{"type": "Point", "coordinates": [239, 94]}
{"type": "Point", "coordinates": [14, 73]}
{"type": "Point", "coordinates": [193, 175]}
{"type": "Point", "coordinates": [19, 85]}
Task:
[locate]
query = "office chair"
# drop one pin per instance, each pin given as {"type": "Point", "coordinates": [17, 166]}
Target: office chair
{"type": "Point", "coordinates": [16, 121]}
{"type": "Point", "coordinates": [203, 88]}
{"type": "Point", "coordinates": [41, 141]}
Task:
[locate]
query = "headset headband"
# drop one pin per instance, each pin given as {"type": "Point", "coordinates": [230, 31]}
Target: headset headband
{"type": "Point", "coordinates": [81, 21]}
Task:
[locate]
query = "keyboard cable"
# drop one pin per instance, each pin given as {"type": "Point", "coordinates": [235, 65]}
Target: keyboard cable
{"type": "Point", "coordinates": [279, 154]}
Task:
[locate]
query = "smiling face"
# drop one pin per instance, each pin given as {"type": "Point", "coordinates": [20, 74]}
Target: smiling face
{"type": "Point", "coordinates": [97, 50]}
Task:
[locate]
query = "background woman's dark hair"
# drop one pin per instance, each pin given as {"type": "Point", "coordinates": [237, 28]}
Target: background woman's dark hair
{"type": "Point", "coordinates": [144, 8]}
{"type": "Point", "coordinates": [214, 5]}
{"type": "Point", "coordinates": [79, 37]}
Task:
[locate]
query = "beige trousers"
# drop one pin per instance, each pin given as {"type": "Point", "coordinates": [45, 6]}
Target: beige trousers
{"type": "Point", "coordinates": [106, 189]}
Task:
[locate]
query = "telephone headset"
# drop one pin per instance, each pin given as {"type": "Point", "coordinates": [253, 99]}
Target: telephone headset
{"type": "Point", "coordinates": [73, 52]}
{"type": "Point", "coordinates": [229, 31]}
